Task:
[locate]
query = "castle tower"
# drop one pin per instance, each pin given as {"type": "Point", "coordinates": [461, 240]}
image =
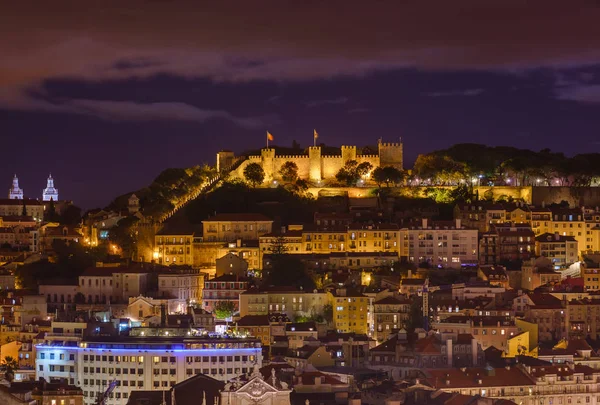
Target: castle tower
{"type": "Point", "coordinates": [315, 171]}
{"type": "Point", "coordinates": [348, 153]}
{"type": "Point", "coordinates": [267, 159]}
{"type": "Point", "coordinates": [133, 204]}
{"type": "Point", "coordinates": [15, 193]}
{"type": "Point", "coordinates": [50, 193]}
{"type": "Point", "coordinates": [225, 159]}
{"type": "Point", "coordinates": [390, 154]}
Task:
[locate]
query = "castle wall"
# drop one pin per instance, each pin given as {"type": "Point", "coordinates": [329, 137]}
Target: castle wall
{"type": "Point", "coordinates": [302, 161]}
{"type": "Point", "coordinates": [315, 166]}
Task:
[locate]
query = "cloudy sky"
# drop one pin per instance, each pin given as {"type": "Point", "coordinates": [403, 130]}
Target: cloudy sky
{"type": "Point", "coordinates": [106, 94]}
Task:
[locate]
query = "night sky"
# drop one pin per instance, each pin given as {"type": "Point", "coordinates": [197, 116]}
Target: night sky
{"type": "Point", "coordinates": [106, 97]}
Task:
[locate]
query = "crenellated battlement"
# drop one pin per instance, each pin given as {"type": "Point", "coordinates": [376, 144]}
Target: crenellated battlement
{"type": "Point", "coordinates": [291, 156]}
{"type": "Point", "coordinates": [390, 144]}
{"type": "Point", "coordinates": [347, 147]}
{"type": "Point", "coordinates": [367, 156]}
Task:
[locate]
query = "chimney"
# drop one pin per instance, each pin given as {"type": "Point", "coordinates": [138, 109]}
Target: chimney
{"type": "Point", "coordinates": [449, 352]}
{"type": "Point", "coordinates": [458, 224]}
{"type": "Point", "coordinates": [163, 315]}
{"type": "Point", "coordinates": [238, 243]}
{"type": "Point", "coordinates": [474, 352]}
{"type": "Point", "coordinates": [556, 236]}
{"type": "Point", "coordinates": [424, 220]}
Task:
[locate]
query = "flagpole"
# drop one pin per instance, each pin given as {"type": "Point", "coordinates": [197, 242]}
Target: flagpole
{"type": "Point", "coordinates": [267, 139]}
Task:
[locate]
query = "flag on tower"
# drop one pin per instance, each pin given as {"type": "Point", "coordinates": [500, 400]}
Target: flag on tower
{"type": "Point", "coordinates": [269, 136]}
{"type": "Point", "coordinates": [316, 134]}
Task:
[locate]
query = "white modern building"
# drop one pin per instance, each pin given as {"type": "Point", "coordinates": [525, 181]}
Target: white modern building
{"type": "Point", "coordinates": [142, 362]}
{"type": "Point", "coordinates": [440, 243]}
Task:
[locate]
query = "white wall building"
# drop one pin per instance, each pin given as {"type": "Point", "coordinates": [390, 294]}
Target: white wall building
{"type": "Point", "coordinates": [136, 363]}
{"type": "Point", "coordinates": [440, 243]}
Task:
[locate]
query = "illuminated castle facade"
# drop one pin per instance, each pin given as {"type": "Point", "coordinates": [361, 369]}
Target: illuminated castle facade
{"type": "Point", "coordinates": [315, 166]}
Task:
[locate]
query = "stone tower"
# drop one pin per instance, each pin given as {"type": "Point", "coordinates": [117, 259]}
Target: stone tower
{"type": "Point", "coordinates": [15, 193]}
{"type": "Point", "coordinates": [267, 159]}
{"type": "Point", "coordinates": [225, 159]}
{"type": "Point", "coordinates": [315, 171]}
{"type": "Point", "coordinates": [390, 154]}
{"type": "Point", "coordinates": [50, 193]}
{"type": "Point", "coordinates": [348, 153]}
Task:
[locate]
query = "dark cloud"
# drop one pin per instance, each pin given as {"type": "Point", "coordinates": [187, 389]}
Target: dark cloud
{"type": "Point", "coordinates": [455, 93]}
{"type": "Point", "coordinates": [583, 93]}
{"type": "Point", "coordinates": [333, 101]}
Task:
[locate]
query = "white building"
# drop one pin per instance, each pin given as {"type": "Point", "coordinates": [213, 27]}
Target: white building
{"type": "Point", "coordinates": [184, 284]}
{"type": "Point", "coordinates": [441, 243]}
{"type": "Point", "coordinates": [114, 284]}
{"type": "Point", "coordinates": [15, 193]}
{"type": "Point", "coordinates": [139, 363]}
{"type": "Point", "coordinates": [50, 193]}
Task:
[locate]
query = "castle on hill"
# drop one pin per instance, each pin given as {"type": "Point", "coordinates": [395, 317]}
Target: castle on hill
{"type": "Point", "coordinates": [315, 166]}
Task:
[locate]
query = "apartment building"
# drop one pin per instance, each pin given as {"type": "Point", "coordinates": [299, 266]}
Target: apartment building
{"type": "Point", "coordinates": [290, 301]}
{"type": "Point", "coordinates": [506, 243]}
{"type": "Point", "coordinates": [141, 363]}
{"type": "Point", "coordinates": [560, 249]}
{"type": "Point", "coordinates": [350, 311]}
{"type": "Point", "coordinates": [570, 222]}
{"type": "Point", "coordinates": [227, 287]}
{"type": "Point", "coordinates": [230, 227]}
{"type": "Point", "coordinates": [181, 284]}
{"type": "Point", "coordinates": [390, 314]}
{"type": "Point", "coordinates": [373, 238]}
{"type": "Point", "coordinates": [113, 284]}
{"type": "Point", "coordinates": [439, 243]}
{"type": "Point", "coordinates": [173, 245]}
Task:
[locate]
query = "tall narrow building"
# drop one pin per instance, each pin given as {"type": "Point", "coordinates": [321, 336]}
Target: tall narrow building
{"type": "Point", "coordinates": [15, 193]}
{"type": "Point", "coordinates": [50, 193]}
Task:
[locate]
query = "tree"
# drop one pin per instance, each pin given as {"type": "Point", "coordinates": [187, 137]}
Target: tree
{"type": "Point", "coordinates": [387, 175]}
{"type": "Point", "coordinates": [11, 365]}
{"type": "Point", "coordinates": [224, 309]}
{"type": "Point", "coordinates": [328, 313]}
{"type": "Point", "coordinates": [352, 172]}
{"type": "Point", "coordinates": [278, 247]}
{"type": "Point", "coordinates": [71, 215]}
{"type": "Point", "coordinates": [254, 174]}
{"type": "Point", "coordinates": [289, 172]}
{"type": "Point", "coordinates": [51, 215]}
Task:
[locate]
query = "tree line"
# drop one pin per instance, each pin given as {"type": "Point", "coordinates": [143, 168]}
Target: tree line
{"type": "Point", "coordinates": [502, 165]}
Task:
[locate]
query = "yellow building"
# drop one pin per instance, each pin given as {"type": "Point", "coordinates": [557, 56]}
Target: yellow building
{"type": "Point", "coordinates": [290, 241]}
{"type": "Point", "coordinates": [350, 311]}
{"type": "Point", "coordinates": [231, 227]}
{"type": "Point", "coordinates": [518, 345]}
{"type": "Point", "coordinates": [173, 245]}
{"type": "Point", "coordinates": [541, 220]}
{"type": "Point", "coordinates": [283, 300]}
{"type": "Point", "coordinates": [373, 238]}
{"type": "Point", "coordinates": [561, 250]}
{"type": "Point", "coordinates": [591, 278]}
{"type": "Point", "coordinates": [532, 329]}
{"type": "Point", "coordinates": [570, 222]}
{"type": "Point", "coordinates": [324, 239]}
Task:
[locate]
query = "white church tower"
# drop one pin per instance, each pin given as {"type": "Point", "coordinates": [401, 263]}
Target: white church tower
{"type": "Point", "coordinates": [15, 193]}
{"type": "Point", "coordinates": [50, 193]}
